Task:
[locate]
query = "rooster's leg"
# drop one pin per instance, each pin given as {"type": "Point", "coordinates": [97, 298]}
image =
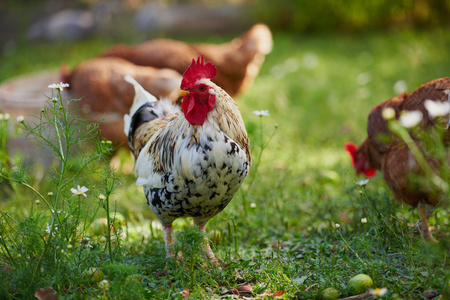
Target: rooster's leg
{"type": "Point", "coordinates": [167, 234]}
{"type": "Point", "coordinates": [208, 250]}
{"type": "Point", "coordinates": [423, 213]}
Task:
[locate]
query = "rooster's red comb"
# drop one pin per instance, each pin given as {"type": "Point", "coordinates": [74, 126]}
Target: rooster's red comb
{"type": "Point", "coordinates": [197, 70]}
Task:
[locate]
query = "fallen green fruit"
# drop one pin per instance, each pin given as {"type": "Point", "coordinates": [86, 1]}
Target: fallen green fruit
{"type": "Point", "coordinates": [359, 284]}
{"type": "Point", "coordinates": [99, 226]}
{"type": "Point", "coordinates": [330, 294]}
{"type": "Point", "coordinates": [118, 220]}
{"type": "Point", "coordinates": [96, 274]}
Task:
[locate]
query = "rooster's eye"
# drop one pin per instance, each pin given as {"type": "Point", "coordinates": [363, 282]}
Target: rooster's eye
{"type": "Point", "coordinates": [202, 87]}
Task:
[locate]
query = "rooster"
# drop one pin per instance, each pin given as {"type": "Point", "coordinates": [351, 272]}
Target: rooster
{"type": "Point", "coordinates": [191, 163]}
{"type": "Point", "coordinates": [394, 158]}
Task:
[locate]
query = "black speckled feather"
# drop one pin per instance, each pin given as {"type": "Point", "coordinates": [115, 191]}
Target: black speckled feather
{"type": "Point", "coordinates": [147, 112]}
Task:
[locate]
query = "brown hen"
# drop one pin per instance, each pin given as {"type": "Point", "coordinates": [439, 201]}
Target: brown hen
{"type": "Point", "coordinates": [99, 83]}
{"type": "Point", "coordinates": [238, 61]}
{"type": "Point", "coordinates": [384, 151]}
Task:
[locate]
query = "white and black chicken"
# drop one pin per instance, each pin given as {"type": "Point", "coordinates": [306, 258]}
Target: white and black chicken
{"type": "Point", "coordinates": [192, 163]}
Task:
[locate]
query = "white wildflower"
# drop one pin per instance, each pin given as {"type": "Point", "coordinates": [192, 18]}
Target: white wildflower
{"type": "Point", "coordinates": [363, 78]}
{"type": "Point", "coordinates": [364, 220]}
{"type": "Point", "coordinates": [338, 225]}
{"type": "Point", "coordinates": [310, 60]}
{"type": "Point", "coordinates": [4, 117]}
{"type": "Point", "coordinates": [20, 119]}
{"type": "Point", "coordinates": [80, 190]}
{"type": "Point", "coordinates": [60, 86]}
{"type": "Point", "coordinates": [252, 205]}
{"type": "Point", "coordinates": [261, 112]}
{"type": "Point", "coordinates": [388, 113]}
{"type": "Point", "coordinates": [378, 292]}
{"type": "Point", "coordinates": [410, 119]}
{"type": "Point", "coordinates": [362, 182]}
{"type": "Point", "coordinates": [7, 116]}
{"type": "Point", "coordinates": [47, 229]}
{"type": "Point", "coordinates": [86, 243]}
{"type": "Point", "coordinates": [437, 108]}
{"type": "Point", "coordinates": [102, 197]}
{"type": "Point", "coordinates": [104, 285]}
{"type": "Point", "coordinates": [400, 87]}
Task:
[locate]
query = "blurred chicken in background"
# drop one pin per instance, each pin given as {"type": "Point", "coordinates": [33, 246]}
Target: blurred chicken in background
{"type": "Point", "coordinates": [157, 65]}
{"type": "Point", "coordinates": [238, 61]}
{"type": "Point", "coordinates": [384, 151]}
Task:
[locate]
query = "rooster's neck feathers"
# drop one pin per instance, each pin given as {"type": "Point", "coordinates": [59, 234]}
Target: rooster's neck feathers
{"type": "Point", "coordinates": [228, 118]}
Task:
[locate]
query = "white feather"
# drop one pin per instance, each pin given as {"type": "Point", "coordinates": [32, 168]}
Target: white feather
{"type": "Point", "coordinates": [126, 124]}
{"type": "Point", "coordinates": [143, 170]}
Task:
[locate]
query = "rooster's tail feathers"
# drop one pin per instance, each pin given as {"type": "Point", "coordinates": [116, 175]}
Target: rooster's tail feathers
{"type": "Point", "coordinates": [141, 97]}
{"type": "Point", "coordinates": [145, 108]}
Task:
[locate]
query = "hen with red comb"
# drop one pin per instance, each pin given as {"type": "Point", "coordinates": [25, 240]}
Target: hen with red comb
{"type": "Point", "coordinates": [384, 151]}
{"type": "Point", "coordinates": [359, 162]}
{"type": "Point", "coordinates": [190, 163]}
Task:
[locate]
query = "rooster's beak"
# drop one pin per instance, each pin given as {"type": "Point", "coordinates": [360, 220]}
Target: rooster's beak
{"type": "Point", "coordinates": [183, 93]}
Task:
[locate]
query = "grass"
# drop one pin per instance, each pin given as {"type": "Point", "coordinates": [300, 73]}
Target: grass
{"type": "Point", "coordinates": [278, 237]}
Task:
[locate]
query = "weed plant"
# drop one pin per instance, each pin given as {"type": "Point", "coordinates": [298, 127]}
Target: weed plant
{"type": "Point", "coordinates": [48, 243]}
